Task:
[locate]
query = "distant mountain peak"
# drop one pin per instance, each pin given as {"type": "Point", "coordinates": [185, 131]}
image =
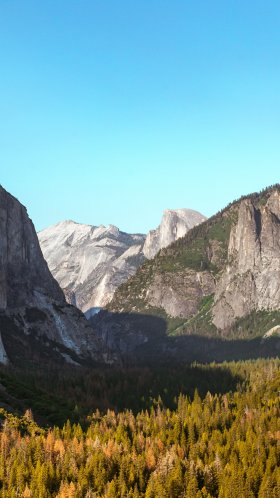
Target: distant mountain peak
{"type": "Point", "coordinates": [91, 262]}
{"type": "Point", "coordinates": [175, 223]}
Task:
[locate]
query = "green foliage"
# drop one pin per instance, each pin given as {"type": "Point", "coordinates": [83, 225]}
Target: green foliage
{"type": "Point", "coordinates": [216, 446]}
{"type": "Point", "coordinates": [256, 324]}
{"type": "Point", "coordinates": [19, 393]}
{"type": "Point", "coordinates": [195, 250]}
{"type": "Point", "coordinates": [201, 323]}
{"type": "Point", "coordinates": [55, 395]}
{"type": "Point", "coordinates": [203, 248]}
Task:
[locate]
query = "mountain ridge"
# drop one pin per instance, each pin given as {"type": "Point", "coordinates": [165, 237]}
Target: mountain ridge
{"type": "Point", "coordinates": [91, 262]}
{"type": "Point", "coordinates": [194, 262]}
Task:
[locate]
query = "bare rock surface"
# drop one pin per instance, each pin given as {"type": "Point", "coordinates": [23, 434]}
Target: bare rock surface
{"type": "Point", "coordinates": [251, 280]}
{"type": "Point", "coordinates": [30, 298]}
{"type": "Point", "coordinates": [175, 223]}
{"type": "Point", "coordinates": [91, 262]}
{"type": "Point", "coordinates": [168, 291]}
{"type": "Point", "coordinates": [22, 267]}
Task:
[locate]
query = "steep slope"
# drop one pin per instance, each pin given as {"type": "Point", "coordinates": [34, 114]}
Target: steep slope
{"type": "Point", "coordinates": [179, 276]}
{"type": "Point", "coordinates": [217, 275]}
{"type": "Point", "coordinates": [175, 223]}
{"type": "Point", "coordinates": [252, 277]}
{"type": "Point", "coordinates": [90, 262]}
{"type": "Point", "coordinates": [31, 302]}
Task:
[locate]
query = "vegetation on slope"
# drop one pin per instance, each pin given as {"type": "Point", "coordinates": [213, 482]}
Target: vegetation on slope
{"type": "Point", "coordinates": [194, 251]}
{"type": "Point", "coordinates": [215, 446]}
{"type": "Point", "coordinates": [254, 325]}
{"type": "Point", "coordinates": [57, 394]}
{"type": "Point", "coordinates": [203, 248]}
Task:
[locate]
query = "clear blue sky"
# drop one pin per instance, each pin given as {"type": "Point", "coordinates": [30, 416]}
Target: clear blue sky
{"type": "Point", "coordinates": [111, 111]}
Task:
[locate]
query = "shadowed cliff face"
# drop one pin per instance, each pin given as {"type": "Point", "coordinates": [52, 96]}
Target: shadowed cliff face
{"type": "Point", "coordinates": [142, 339]}
{"type": "Point", "coordinates": [22, 267]}
{"type": "Point", "coordinates": [130, 336]}
{"type": "Point", "coordinates": [29, 295]}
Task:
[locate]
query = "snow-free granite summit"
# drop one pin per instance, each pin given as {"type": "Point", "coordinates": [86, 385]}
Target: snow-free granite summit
{"type": "Point", "coordinates": [91, 262]}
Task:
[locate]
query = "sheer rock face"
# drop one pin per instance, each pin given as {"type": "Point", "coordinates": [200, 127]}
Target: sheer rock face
{"type": "Point", "coordinates": [174, 224]}
{"type": "Point", "coordinates": [29, 295]}
{"type": "Point", "coordinates": [90, 262]}
{"type": "Point", "coordinates": [22, 267]}
{"type": "Point", "coordinates": [251, 280]}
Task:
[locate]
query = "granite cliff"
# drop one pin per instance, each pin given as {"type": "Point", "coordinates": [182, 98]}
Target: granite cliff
{"type": "Point", "coordinates": [251, 279]}
{"type": "Point", "coordinates": [90, 262]}
{"type": "Point", "coordinates": [31, 301]}
{"type": "Point", "coordinates": [175, 224]}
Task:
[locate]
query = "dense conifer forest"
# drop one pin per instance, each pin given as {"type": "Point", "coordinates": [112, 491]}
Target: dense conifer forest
{"type": "Point", "coordinates": [219, 440]}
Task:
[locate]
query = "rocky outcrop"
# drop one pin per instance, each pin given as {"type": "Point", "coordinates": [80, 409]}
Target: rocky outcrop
{"type": "Point", "coordinates": [174, 224]}
{"type": "Point", "coordinates": [31, 300]}
{"type": "Point", "coordinates": [251, 280]}
{"type": "Point", "coordinates": [179, 295]}
{"type": "Point", "coordinates": [90, 262]}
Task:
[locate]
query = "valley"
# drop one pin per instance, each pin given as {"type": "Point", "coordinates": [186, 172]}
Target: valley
{"type": "Point", "coordinates": [163, 391]}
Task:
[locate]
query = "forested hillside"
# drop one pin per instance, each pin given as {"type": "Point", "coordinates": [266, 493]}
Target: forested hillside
{"type": "Point", "coordinates": [224, 445]}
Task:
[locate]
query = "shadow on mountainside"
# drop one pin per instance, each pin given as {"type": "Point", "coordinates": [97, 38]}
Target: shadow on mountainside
{"type": "Point", "coordinates": [152, 365]}
{"type": "Point", "coordinates": [142, 338]}
{"type": "Point", "coordinates": [56, 394]}
{"type": "Point", "coordinates": [130, 335]}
